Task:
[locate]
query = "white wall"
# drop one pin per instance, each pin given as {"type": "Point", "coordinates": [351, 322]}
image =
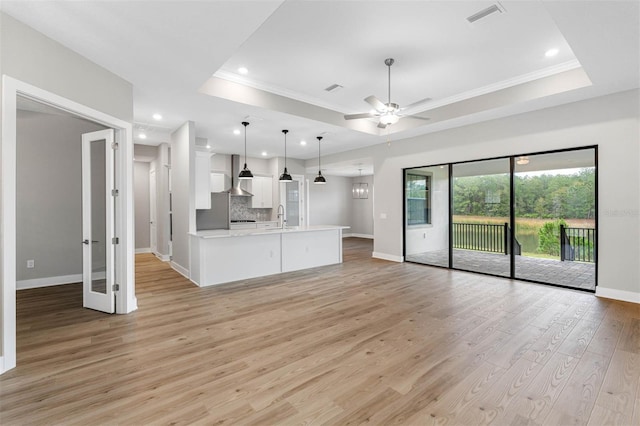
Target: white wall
{"type": "Point", "coordinates": [611, 122]}
{"type": "Point", "coordinates": [330, 204]}
{"type": "Point", "coordinates": [49, 195]}
{"type": "Point", "coordinates": [183, 143]}
{"type": "Point", "coordinates": [362, 209]}
{"type": "Point", "coordinates": [141, 195]}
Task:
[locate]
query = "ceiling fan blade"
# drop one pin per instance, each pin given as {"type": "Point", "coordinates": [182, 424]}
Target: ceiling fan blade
{"type": "Point", "coordinates": [357, 116]}
{"type": "Point", "coordinates": [382, 126]}
{"type": "Point", "coordinates": [417, 104]}
{"type": "Point", "coordinates": [418, 117]}
{"type": "Point", "coordinates": [376, 103]}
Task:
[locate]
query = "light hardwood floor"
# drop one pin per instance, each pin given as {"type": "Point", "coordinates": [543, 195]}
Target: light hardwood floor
{"type": "Point", "coordinates": [365, 341]}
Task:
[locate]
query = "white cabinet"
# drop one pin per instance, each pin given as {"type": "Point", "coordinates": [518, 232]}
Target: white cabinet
{"type": "Point", "coordinates": [203, 180]}
{"type": "Point", "coordinates": [218, 182]}
{"type": "Point", "coordinates": [262, 189]}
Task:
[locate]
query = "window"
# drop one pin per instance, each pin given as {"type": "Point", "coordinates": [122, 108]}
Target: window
{"type": "Point", "coordinates": [418, 199]}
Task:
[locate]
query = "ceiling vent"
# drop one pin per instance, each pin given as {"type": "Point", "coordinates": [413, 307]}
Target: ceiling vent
{"type": "Point", "coordinates": [333, 88]}
{"type": "Point", "coordinates": [485, 12]}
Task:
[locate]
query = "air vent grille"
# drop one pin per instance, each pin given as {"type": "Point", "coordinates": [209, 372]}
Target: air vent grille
{"type": "Point", "coordinates": [485, 12]}
{"type": "Point", "coordinates": [333, 88]}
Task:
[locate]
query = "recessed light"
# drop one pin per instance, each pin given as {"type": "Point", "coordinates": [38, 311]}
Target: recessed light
{"type": "Point", "coordinates": [142, 136]}
{"type": "Point", "coordinates": [236, 132]}
{"type": "Point", "coordinates": [303, 143]}
{"type": "Point", "coordinates": [208, 146]}
{"type": "Point", "coordinates": [157, 117]}
{"type": "Point", "coordinates": [264, 153]}
{"type": "Point", "coordinates": [243, 70]}
{"type": "Point", "coordinates": [551, 52]}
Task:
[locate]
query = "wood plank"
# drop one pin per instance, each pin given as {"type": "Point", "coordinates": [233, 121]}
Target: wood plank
{"type": "Point", "coordinates": [366, 340]}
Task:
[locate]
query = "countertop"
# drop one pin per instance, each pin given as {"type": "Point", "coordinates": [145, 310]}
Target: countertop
{"type": "Point", "coordinates": [225, 233]}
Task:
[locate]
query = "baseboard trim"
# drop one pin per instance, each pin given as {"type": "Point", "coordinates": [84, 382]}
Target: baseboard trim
{"type": "Point", "coordinates": [48, 281]}
{"type": "Point", "coordinates": [385, 256]}
{"type": "Point", "coordinates": [163, 257]}
{"type": "Point", "coordinates": [143, 250]}
{"type": "Point", "coordinates": [180, 269]}
{"type": "Point", "coordinates": [625, 296]}
{"type": "Point", "coordinates": [368, 236]}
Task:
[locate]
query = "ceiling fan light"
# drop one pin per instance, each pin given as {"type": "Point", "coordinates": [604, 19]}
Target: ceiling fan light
{"type": "Point", "coordinates": [388, 119]}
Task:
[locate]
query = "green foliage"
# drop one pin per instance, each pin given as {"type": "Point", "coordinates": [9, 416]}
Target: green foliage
{"type": "Point", "coordinates": [549, 237]}
{"type": "Point", "coordinates": [545, 196]}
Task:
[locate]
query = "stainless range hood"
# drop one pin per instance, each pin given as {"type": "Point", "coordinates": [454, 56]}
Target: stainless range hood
{"type": "Point", "coordinates": [235, 190]}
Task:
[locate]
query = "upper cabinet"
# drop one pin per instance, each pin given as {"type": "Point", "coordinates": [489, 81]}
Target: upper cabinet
{"type": "Point", "coordinates": [203, 180]}
{"type": "Point", "coordinates": [219, 182]}
{"type": "Point", "coordinates": [262, 189]}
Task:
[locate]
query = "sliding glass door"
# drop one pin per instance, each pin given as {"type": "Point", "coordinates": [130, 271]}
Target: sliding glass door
{"type": "Point", "coordinates": [530, 217]}
{"type": "Point", "coordinates": [427, 215]}
{"type": "Point", "coordinates": [555, 208]}
{"type": "Point", "coordinates": [481, 200]}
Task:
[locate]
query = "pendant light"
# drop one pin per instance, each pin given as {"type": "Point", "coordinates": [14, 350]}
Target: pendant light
{"type": "Point", "coordinates": [285, 176]}
{"type": "Point", "coordinates": [319, 180]}
{"type": "Point", "coordinates": [245, 173]}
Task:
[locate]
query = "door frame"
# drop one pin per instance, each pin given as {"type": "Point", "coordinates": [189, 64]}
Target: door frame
{"type": "Point", "coordinates": [125, 298]}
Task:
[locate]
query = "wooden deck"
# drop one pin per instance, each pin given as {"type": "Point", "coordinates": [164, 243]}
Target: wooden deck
{"type": "Point", "coordinates": [366, 341]}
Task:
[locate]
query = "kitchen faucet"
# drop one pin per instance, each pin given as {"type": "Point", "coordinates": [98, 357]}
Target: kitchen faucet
{"type": "Point", "coordinates": [280, 216]}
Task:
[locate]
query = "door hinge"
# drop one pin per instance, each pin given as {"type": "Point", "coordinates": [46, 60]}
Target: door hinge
{"type": "Point", "coordinates": [115, 240]}
{"type": "Point", "coordinates": [115, 192]}
{"type": "Point", "coordinates": [114, 145]}
{"type": "Point", "coordinates": [116, 287]}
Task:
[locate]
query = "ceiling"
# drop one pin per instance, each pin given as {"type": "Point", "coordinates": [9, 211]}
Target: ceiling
{"type": "Point", "coordinates": [183, 58]}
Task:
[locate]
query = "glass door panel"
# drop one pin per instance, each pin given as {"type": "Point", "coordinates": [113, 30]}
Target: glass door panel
{"type": "Point", "coordinates": [427, 215]}
{"type": "Point", "coordinates": [481, 216]}
{"type": "Point", "coordinates": [555, 208]}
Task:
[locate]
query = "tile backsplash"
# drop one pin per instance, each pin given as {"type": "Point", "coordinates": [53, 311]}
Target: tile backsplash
{"type": "Point", "coordinates": [240, 210]}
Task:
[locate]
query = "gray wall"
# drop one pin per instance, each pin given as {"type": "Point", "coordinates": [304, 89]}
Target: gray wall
{"type": "Point", "coordinates": [31, 57]}
{"type": "Point", "coordinates": [183, 192]}
{"type": "Point", "coordinates": [362, 210]}
{"type": "Point", "coordinates": [330, 204]}
{"type": "Point", "coordinates": [141, 200]}
{"type": "Point", "coordinates": [49, 194]}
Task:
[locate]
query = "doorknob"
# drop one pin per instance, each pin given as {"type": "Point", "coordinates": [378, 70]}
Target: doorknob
{"type": "Point", "coordinates": [85, 242]}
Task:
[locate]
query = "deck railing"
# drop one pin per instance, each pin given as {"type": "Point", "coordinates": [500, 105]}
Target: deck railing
{"type": "Point", "coordinates": [577, 244]}
{"type": "Point", "coordinates": [483, 237]}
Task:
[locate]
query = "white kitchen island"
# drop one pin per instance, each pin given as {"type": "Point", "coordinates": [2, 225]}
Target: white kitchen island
{"type": "Point", "coordinates": [222, 256]}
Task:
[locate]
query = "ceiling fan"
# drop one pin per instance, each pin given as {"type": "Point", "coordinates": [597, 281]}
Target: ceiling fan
{"type": "Point", "coordinates": [390, 112]}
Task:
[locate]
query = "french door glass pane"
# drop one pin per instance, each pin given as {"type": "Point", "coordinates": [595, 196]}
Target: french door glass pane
{"type": "Point", "coordinates": [427, 215]}
{"type": "Point", "coordinates": [481, 209]}
{"type": "Point", "coordinates": [98, 218]}
{"type": "Point", "coordinates": [555, 211]}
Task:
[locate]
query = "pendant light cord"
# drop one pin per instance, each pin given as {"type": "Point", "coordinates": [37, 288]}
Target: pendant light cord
{"type": "Point", "coordinates": [285, 148]}
{"type": "Point", "coordinates": [245, 124]}
{"type": "Point", "coordinates": [319, 168]}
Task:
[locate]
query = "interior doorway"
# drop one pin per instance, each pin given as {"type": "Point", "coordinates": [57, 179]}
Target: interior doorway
{"type": "Point", "coordinates": [12, 91]}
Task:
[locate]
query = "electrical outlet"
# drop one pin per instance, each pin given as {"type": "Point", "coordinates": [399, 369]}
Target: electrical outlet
{"type": "Point", "coordinates": [31, 263]}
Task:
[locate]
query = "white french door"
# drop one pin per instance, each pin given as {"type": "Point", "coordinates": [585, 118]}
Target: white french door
{"type": "Point", "coordinates": [98, 254]}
